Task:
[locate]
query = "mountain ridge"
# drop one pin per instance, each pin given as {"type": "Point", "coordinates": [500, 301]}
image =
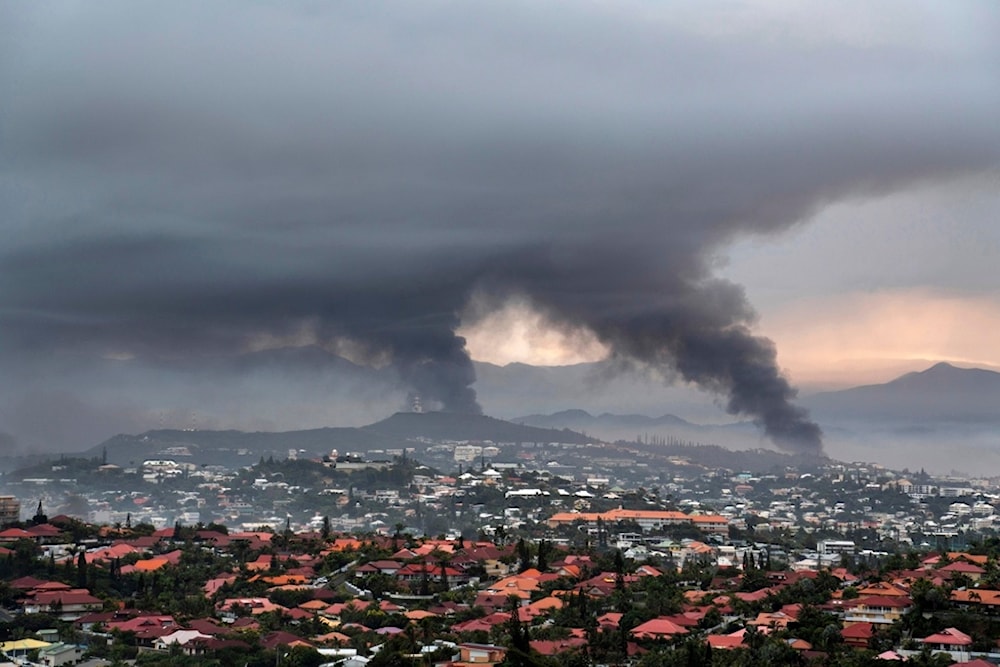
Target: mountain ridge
{"type": "Point", "coordinates": [942, 392]}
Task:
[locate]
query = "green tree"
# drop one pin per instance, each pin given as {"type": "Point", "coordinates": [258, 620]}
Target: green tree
{"type": "Point", "coordinates": [81, 570]}
{"type": "Point", "coordinates": [302, 656]}
{"type": "Point", "coordinates": [524, 555]}
{"type": "Point", "coordinates": [519, 642]}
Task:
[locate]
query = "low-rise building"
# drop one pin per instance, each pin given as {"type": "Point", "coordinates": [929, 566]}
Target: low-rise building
{"type": "Point", "coordinates": [57, 655]}
{"type": "Point", "coordinates": [10, 509]}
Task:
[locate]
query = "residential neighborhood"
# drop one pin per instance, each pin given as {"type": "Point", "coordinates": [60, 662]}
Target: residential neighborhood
{"type": "Point", "coordinates": [525, 564]}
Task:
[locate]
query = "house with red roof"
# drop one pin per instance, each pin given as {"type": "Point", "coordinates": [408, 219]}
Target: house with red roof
{"type": "Point", "coordinates": [45, 533]}
{"type": "Point", "coordinates": [883, 589]}
{"type": "Point", "coordinates": [148, 628]}
{"type": "Point", "coordinates": [338, 608]}
{"type": "Point", "coordinates": [964, 568]}
{"type": "Point", "coordinates": [658, 628]}
{"type": "Point", "coordinates": [858, 635]}
{"type": "Point", "coordinates": [491, 601]}
{"type": "Point", "coordinates": [935, 560]}
{"type": "Point", "coordinates": [558, 647]}
{"type": "Point", "coordinates": [110, 553]}
{"type": "Point", "coordinates": [728, 642]}
{"type": "Point", "coordinates": [314, 605]}
{"type": "Point", "coordinates": [753, 596]}
{"type": "Point", "coordinates": [298, 614]}
{"type": "Point", "coordinates": [28, 583]}
{"type": "Point", "coordinates": [67, 605]}
{"type": "Point", "coordinates": [50, 586]}
{"type": "Point", "coordinates": [484, 624]}
{"type": "Point", "coordinates": [389, 567]}
{"type": "Point", "coordinates": [142, 623]}
{"type": "Point", "coordinates": [518, 585]}
{"type": "Point", "coordinates": [232, 608]}
{"type": "Point", "coordinates": [346, 544]}
{"type": "Point", "coordinates": [145, 565]}
{"type": "Point", "coordinates": [609, 621]}
{"type": "Point", "coordinates": [415, 572]}
{"type": "Point", "coordinates": [263, 562]}
{"type": "Point", "coordinates": [952, 641]}
{"type": "Point", "coordinates": [977, 598]}
{"type": "Point", "coordinates": [540, 607]}
{"type": "Point", "coordinates": [280, 638]}
{"type": "Point", "coordinates": [15, 534]}
{"type": "Point", "coordinates": [689, 618]}
{"type": "Point", "coordinates": [875, 609]}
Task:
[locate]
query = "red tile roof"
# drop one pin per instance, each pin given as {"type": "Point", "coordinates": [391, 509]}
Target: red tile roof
{"type": "Point", "coordinates": [658, 628]}
{"type": "Point", "coordinates": [949, 637]}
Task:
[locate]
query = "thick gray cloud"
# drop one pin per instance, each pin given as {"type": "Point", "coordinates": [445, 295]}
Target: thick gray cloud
{"type": "Point", "coordinates": [180, 181]}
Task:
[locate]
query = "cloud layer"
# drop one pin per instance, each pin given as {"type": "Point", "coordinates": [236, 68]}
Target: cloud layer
{"type": "Point", "coordinates": [182, 181]}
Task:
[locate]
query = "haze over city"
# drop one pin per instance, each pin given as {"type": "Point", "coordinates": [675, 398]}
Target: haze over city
{"type": "Point", "coordinates": [280, 215]}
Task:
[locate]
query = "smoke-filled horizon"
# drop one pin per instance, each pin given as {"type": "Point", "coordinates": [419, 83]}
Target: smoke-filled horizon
{"type": "Point", "coordinates": [187, 185]}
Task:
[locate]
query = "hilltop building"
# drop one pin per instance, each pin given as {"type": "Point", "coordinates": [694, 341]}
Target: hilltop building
{"type": "Point", "coordinates": [10, 509]}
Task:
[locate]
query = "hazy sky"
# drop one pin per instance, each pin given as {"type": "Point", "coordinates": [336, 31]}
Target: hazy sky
{"type": "Point", "coordinates": [867, 289]}
{"type": "Point", "coordinates": [195, 187]}
{"type": "Point", "coordinates": [884, 285]}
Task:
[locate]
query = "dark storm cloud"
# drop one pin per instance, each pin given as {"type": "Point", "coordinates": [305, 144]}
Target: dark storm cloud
{"type": "Point", "coordinates": [178, 181]}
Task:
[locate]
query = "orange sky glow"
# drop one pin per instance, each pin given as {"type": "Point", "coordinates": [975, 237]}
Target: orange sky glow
{"type": "Point", "coordinates": [836, 341]}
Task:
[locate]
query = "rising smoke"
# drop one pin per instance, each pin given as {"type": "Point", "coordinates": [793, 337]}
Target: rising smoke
{"type": "Point", "coordinates": [361, 174]}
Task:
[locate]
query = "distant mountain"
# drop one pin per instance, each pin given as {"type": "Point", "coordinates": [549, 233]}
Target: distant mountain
{"type": "Point", "coordinates": [942, 417]}
{"type": "Point", "coordinates": [941, 394]}
{"type": "Point", "coordinates": [613, 427]}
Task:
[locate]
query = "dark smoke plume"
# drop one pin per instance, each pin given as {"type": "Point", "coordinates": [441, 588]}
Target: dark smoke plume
{"type": "Point", "coordinates": [696, 327]}
{"type": "Point", "coordinates": [200, 185]}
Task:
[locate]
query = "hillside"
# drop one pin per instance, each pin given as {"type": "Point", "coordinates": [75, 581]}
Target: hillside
{"type": "Point", "coordinates": [904, 422]}
{"type": "Point", "coordinates": [942, 393]}
{"type": "Point", "coordinates": [611, 427]}
{"type": "Point", "coordinates": [451, 426]}
{"type": "Point", "coordinates": [228, 447]}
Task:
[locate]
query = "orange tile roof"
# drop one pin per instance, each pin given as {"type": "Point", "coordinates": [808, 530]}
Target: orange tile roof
{"type": "Point", "coordinates": [978, 559]}
{"type": "Point", "coordinates": [981, 596]}
{"type": "Point", "coordinates": [314, 605]}
{"type": "Point", "coordinates": [151, 564]}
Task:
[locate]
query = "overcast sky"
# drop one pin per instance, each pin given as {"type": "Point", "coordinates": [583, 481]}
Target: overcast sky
{"type": "Point", "coordinates": [191, 185]}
